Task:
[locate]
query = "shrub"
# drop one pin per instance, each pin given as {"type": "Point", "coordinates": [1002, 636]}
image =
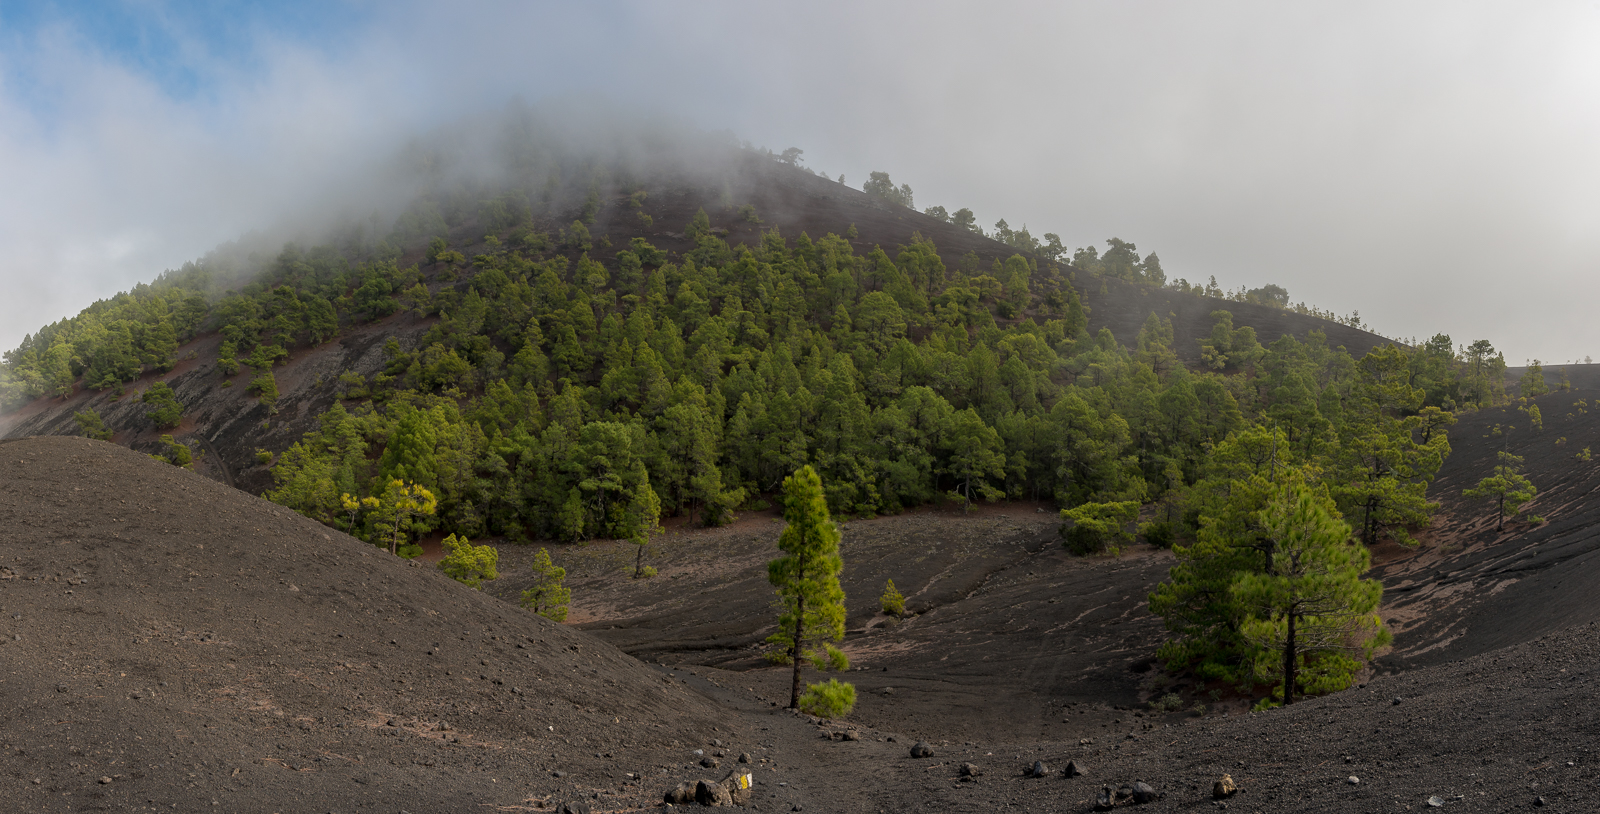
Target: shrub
{"type": "Point", "coordinates": [1535, 520]}
{"type": "Point", "coordinates": [263, 457]}
{"type": "Point", "coordinates": [1158, 533]}
{"type": "Point", "coordinates": [829, 699]}
{"type": "Point", "coordinates": [1171, 702]}
{"type": "Point", "coordinates": [549, 595]}
{"type": "Point", "coordinates": [1584, 455]}
{"type": "Point", "coordinates": [892, 602]}
{"type": "Point", "coordinates": [1099, 527]}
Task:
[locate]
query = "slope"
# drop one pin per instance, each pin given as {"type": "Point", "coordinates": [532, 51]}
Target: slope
{"type": "Point", "coordinates": [230, 425]}
{"type": "Point", "coordinates": [168, 641]}
{"type": "Point", "coordinates": [1471, 590]}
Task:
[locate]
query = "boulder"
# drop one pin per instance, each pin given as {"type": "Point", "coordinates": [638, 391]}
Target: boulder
{"type": "Point", "coordinates": [1038, 769]}
{"type": "Point", "coordinates": [922, 749]}
{"type": "Point", "coordinates": [680, 796]}
{"type": "Point", "coordinates": [1143, 793]}
{"type": "Point", "coordinates": [1224, 787]}
{"type": "Point", "coordinates": [970, 770]}
{"type": "Point", "coordinates": [707, 793]}
{"type": "Point", "coordinates": [740, 785]}
{"type": "Point", "coordinates": [1074, 769]}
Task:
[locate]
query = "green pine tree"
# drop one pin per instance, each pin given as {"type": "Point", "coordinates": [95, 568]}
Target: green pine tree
{"type": "Point", "coordinates": [807, 580]}
{"type": "Point", "coordinates": [549, 595]}
{"type": "Point", "coordinates": [1311, 603]}
{"type": "Point", "coordinates": [1507, 488]}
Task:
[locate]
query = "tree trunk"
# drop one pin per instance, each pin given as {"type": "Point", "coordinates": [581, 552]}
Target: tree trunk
{"type": "Point", "coordinates": [1288, 664]}
{"type": "Point", "coordinates": [1500, 514]}
{"type": "Point", "coordinates": [794, 651]}
{"type": "Point", "coordinates": [638, 563]}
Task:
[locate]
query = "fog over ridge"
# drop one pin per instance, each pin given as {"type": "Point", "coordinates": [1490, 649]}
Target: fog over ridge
{"type": "Point", "coordinates": [1426, 164]}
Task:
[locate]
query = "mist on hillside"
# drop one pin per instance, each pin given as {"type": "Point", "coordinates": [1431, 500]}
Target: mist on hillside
{"type": "Point", "coordinates": [1396, 161]}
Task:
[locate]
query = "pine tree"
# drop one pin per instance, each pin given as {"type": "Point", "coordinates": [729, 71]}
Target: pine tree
{"type": "Point", "coordinates": [469, 564]}
{"type": "Point", "coordinates": [892, 602]}
{"type": "Point", "coordinates": [92, 426]}
{"type": "Point", "coordinates": [1507, 487]}
{"type": "Point", "coordinates": [1311, 601]}
{"type": "Point", "coordinates": [549, 595]}
{"type": "Point", "coordinates": [164, 407]}
{"type": "Point", "coordinates": [400, 502]}
{"type": "Point", "coordinates": [807, 580]}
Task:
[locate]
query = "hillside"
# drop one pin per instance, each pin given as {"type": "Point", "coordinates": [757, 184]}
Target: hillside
{"type": "Point", "coordinates": [226, 425]}
{"type": "Point", "coordinates": [202, 647]}
{"type": "Point", "coordinates": [217, 648]}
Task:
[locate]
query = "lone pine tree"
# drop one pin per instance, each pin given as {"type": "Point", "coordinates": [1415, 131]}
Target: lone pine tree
{"type": "Point", "coordinates": [1311, 601]}
{"type": "Point", "coordinates": [807, 579]}
{"type": "Point", "coordinates": [1507, 487]}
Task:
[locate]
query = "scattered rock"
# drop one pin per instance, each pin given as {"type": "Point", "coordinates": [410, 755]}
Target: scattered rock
{"type": "Point", "coordinates": [680, 796]}
{"type": "Point", "coordinates": [740, 786]}
{"type": "Point", "coordinates": [708, 793]}
{"type": "Point", "coordinates": [922, 749]}
{"type": "Point", "coordinates": [1102, 801]}
{"type": "Point", "coordinates": [1224, 787]}
{"type": "Point", "coordinates": [104, 780]}
{"type": "Point", "coordinates": [1353, 780]}
{"type": "Point", "coordinates": [710, 762]}
{"type": "Point", "coordinates": [1123, 793]}
{"type": "Point", "coordinates": [573, 807]}
{"type": "Point", "coordinates": [1143, 793]}
{"type": "Point", "coordinates": [1538, 801]}
{"type": "Point", "coordinates": [1397, 700]}
{"type": "Point", "coordinates": [61, 688]}
{"type": "Point", "coordinates": [1038, 769]}
{"type": "Point", "coordinates": [851, 735]}
{"type": "Point", "coordinates": [1436, 801]}
{"type": "Point", "coordinates": [744, 757]}
{"type": "Point", "coordinates": [970, 770]}
{"type": "Point", "coordinates": [1074, 769]}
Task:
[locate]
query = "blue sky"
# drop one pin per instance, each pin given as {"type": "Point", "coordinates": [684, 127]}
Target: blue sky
{"type": "Point", "coordinates": [1404, 160]}
{"type": "Point", "coordinates": [180, 47]}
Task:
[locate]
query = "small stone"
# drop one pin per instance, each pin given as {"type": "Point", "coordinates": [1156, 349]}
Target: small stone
{"type": "Point", "coordinates": [1436, 801]}
{"type": "Point", "coordinates": [558, 773]}
{"type": "Point", "coordinates": [1224, 787]}
{"type": "Point", "coordinates": [699, 752]}
{"type": "Point", "coordinates": [707, 793]}
{"type": "Point", "coordinates": [680, 796]}
{"type": "Point", "coordinates": [921, 749]}
{"type": "Point", "coordinates": [1143, 793]}
{"type": "Point", "coordinates": [1038, 769]}
{"type": "Point", "coordinates": [1103, 801]}
{"type": "Point", "coordinates": [1074, 769]}
{"type": "Point", "coordinates": [61, 688]}
{"type": "Point", "coordinates": [710, 762]}
{"type": "Point", "coordinates": [574, 807]}
{"type": "Point", "coordinates": [1538, 801]}
{"type": "Point", "coordinates": [1353, 780]}
{"type": "Point", "coordinates": [104, 780]}
{"type": "Point", "coordinates": [852, 735]}
{"type": "Point", "coordinates": [970, 770]}
{"type": "Point", "coordinates": [744, 757]}
{"type": "Point", "coordinates": [1397, 700]}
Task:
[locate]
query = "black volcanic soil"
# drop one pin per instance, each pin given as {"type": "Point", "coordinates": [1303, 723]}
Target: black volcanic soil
{"type": "Point", "coordinates": [167, 643]}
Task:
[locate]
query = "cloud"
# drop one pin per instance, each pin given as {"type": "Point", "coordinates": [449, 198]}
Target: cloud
{"type": "Point", "coordinates": [1427, 164]}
